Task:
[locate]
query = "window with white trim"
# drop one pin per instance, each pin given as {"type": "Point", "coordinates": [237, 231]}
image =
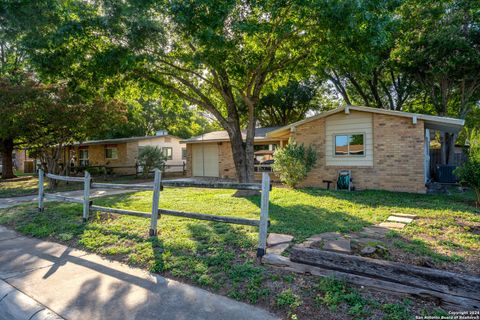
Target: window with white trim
{"type": "Point", "coordinates": [167, 153]}
{"type": "Point", "coordinates": [350, 144]}
{"type": "Point", "coordinates": [83, 157]}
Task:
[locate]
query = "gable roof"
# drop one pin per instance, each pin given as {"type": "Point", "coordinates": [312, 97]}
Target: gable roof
{"type": "Point", "coordinates": [260, 134]}
{"type": "Point", "coordinates": [431, 122]}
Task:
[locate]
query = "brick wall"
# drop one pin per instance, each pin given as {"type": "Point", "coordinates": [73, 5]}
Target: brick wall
{"type": "Point", "coordinates": [397, 151]}
{"type": "Point", "coordinates": [226, 166]}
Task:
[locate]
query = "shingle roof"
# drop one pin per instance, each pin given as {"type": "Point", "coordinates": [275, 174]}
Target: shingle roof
{"type": "Point", "coordinates": [120, 140]}
{"type": "Point", "coordinates": [260, 133]}
{"type": "Point", "coordinates": [431, 122]}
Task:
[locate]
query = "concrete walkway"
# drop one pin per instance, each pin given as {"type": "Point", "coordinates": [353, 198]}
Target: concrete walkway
{"type": "Point", "coordinates": [78, 194]}
{"type": "Point", "coordinates": [77, 285]}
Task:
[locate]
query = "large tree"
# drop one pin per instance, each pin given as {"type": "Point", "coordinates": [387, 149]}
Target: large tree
{"type": "Point", "coordinates": [440, 48]}
{"type": "Point", "coordinates": [216, 56]}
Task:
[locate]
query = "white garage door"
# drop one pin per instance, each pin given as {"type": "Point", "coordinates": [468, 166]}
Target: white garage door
{"type": "Point", "coordinates": [205, 160]}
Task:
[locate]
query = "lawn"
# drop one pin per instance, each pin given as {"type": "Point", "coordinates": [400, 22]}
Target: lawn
{"type": "Point", "coordinates": [221, 257]}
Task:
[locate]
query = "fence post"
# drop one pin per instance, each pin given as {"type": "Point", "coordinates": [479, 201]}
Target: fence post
{"type": "Point", "coordinates": [262, 235]}
{"type": "Point", "coordinates": [40, 190]}
{"type": "Point", "coordinates": [156, 197]}
{"type": "Point", "coordinates": [86, 196]}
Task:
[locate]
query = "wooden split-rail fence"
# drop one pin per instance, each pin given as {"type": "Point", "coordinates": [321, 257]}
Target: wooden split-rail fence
{"type": "Point", "coordinates": [156, 212]}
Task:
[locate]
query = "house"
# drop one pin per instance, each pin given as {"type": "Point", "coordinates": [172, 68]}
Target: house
{"type": "Point", "coordinates": [384, 149]}
{"type": "Point", "coordinates": [120, 155]}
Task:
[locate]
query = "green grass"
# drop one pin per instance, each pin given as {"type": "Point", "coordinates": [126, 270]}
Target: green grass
{"type": "Point", "coordinates": [221, 257]}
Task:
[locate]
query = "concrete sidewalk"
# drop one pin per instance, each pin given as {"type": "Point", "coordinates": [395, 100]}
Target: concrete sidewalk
{"type": "Point", "coordinates": [77, 194]}
{"type": "Point", "coordinates": [77, 285]}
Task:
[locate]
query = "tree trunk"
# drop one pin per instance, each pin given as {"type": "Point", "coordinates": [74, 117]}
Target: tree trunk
{"type": "Point", "coordinates": [7, 158]}
{"type": "Point", "coordinates": [239, 153]}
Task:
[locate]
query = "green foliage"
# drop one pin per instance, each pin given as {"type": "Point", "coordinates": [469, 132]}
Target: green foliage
{"type": "Point", "coordinates": [287, 104]}
{"type": "Point", "coordinates": [334, 292]}
{"type": "Point", "coordinates": [293, 162]}
{"type": "Point", "coordinates": [150, 157]}
{"type": "Point", "coordinates": [288, 299]}
{"type": "Point", "coordinates": [469, 172]}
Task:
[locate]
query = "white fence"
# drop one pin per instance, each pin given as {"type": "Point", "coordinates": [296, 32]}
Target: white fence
{"type": "Point", "coordinates": [156, 212]}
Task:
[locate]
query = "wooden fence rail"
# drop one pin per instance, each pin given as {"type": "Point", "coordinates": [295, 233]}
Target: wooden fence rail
{"type": "Point", "coordinates": [156, 212]}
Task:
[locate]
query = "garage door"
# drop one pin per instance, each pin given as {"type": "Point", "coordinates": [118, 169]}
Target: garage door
{"type": "Point", "coordinates": [205, 160]}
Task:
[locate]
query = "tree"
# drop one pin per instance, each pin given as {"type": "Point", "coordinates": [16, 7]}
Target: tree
{"type": "Point", "coordinates": [469, 172]}
{"type": "Point", "coordinates": [16, 98]}
{"type": "Point", "coordinates": [59, 117]}
{"type": "Point", "coordinates": [149, 158]}
{"type": "Point", "coordinates": [289, 103]}
{"type": "Point", "coordinates": [293, 162]}
{"type": "Point", "coordinates": [440, 48]}
{"type": "Point", "coordinates": [217, 57]}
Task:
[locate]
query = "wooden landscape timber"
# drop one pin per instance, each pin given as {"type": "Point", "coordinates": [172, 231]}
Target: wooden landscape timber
{"type": "Point", "coordinates": [450, 302]}
{"type": "Point", "coordinates": [420, 277]}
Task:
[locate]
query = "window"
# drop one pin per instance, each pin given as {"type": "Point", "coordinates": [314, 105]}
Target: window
{"type": "Point", "coordinates": [184, 153]}
{"type": "Point", "coordinates": [349, 145]}
{"type": "Point", "coordinates": [83, 157]}
{"type": "Point", "coordinates": [111, 153]}
{"type": "Point", "coordinates": [167, 153]}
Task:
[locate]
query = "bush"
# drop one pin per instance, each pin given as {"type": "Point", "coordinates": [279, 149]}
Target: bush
{"type": "Point", "coordinates": [469, 172]}
{"type": "Point", "coordinates": [293, 162]}
{"type": "Point", "coordinates": [150, 158]}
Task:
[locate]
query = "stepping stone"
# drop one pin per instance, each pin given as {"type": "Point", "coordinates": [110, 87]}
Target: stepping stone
{"type": "Point", "coordinates": [325, 236]}
{"type": "Point", "coordinates": [374, 232]}
{"type": "Point", "coordinates": [277, 242]}
{"type": "Point", "coordinates": [405, 215]}
{"type": "Point", "coordinates": [278, 238]}
{"type": "Point", "coordinates": [278, 249]}
{"type": "Point", "coordinates": [399, 219]}
{"type": "Point", "coordinates": [338, 245]}
{"type": "Point", "coordinates": [392, 225]}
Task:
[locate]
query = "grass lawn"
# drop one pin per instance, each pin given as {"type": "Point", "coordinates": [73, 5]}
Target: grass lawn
{"type": "Point", "coordinates": [221, 257]}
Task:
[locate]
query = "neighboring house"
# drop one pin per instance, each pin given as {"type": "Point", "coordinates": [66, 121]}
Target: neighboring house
{"type": "Point", "coordinates": [384, 149]}
{"type": "Point", "coordinates": [121, 155]}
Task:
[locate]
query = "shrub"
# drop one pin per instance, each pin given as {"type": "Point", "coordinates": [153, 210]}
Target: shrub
{"type": "Point", "coordinates": [293, 162]}
{"type": "Point", "coordinates": [469, 172]}
{"type": "Point", "coordinates": [150, 158]}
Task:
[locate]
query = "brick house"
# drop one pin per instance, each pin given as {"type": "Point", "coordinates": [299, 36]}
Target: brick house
{"type": "Point", "coordinates": [120, 155]}
{"type": "Point", "coordinates": [384, 149]}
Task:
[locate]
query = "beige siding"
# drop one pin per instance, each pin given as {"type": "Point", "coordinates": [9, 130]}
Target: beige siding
{"type": "Point", "coordinates": [171, 142]}
{"type": "Point", "coordinates": [341, 123]}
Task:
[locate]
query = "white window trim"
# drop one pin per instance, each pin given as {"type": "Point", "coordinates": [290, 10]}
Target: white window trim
{"type": "Point", "coordinates": [364, 155]}
{"type": "Point", "coordinates": [166, 156]}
